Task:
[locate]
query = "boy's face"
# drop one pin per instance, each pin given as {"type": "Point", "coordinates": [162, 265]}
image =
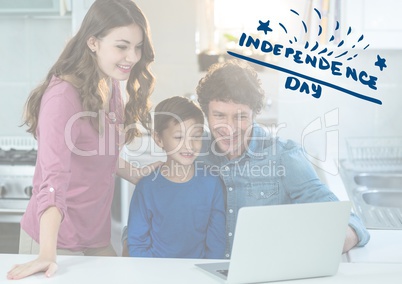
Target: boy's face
{"type": "Point", "coordinates": [231, 125]}
{"type": "Point", "coordinates": [181, 141]}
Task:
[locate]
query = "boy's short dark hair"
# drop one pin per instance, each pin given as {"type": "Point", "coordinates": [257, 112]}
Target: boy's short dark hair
{"type": "Point", "coordinates": [233, 80]}
{"type": "Point", "coordinates": [176, 109]}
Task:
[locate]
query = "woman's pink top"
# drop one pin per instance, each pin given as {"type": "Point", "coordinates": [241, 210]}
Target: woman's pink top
{"type": "Point", "coordinates": [75, 167]}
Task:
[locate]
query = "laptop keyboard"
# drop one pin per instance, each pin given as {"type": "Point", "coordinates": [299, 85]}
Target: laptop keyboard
{"type": "Point", "coordinates": [223, 272]}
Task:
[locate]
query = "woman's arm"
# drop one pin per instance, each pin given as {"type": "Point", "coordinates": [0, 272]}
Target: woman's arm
{"type": "Point", "coordinates": [133, 174]}
{"type": "Point", "coordinates": [46, 260]}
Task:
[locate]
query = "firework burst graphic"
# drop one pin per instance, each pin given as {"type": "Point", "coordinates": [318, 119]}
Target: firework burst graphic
{"type": "Point", "coordinates": [324, 56]}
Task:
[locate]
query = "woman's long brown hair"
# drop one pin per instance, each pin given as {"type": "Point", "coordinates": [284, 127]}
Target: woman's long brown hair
{"type": "Point", "coordinates": [78, 65]}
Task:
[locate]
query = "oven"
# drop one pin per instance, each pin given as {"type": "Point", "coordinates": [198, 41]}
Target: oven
{"type": "Point", "coordinates": [17, 165]}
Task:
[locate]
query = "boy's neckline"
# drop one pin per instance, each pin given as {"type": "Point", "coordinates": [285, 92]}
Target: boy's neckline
{"type": "Point", "coordinates": [170, 172]}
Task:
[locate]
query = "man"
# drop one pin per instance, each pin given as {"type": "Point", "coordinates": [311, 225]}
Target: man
{"type": "Point", "coordinates": [256, 169]}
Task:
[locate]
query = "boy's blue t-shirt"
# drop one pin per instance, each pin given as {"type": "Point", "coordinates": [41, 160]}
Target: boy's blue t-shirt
{"type": "Point", "coordinates": [170, 219]}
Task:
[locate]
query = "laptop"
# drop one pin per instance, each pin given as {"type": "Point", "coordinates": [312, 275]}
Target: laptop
{"type": "Point", "coordinates": [283, 242]}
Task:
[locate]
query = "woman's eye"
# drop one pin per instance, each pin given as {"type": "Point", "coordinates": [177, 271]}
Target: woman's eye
{"type": "Point", "coordinates": [139, 47]}
{"type": "Point", "coordinates": [122, 47]}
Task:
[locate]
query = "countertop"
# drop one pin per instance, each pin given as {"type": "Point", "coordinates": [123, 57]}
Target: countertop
{"type": "Point", "coordinates": [385, 246]}
{"type": "Point", "coordinates": [86, 269]}
{"type": "Point", "coordinates": [380, 261]}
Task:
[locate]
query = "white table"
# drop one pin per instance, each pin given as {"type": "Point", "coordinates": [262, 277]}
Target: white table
{"type": "Point", "coordinates": [120, 270]}
{"type": "Point", "coordinates": [385, 246]}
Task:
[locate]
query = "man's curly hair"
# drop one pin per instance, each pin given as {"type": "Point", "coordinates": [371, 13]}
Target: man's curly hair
{"type": "Point", "coordinates": [233, 80]}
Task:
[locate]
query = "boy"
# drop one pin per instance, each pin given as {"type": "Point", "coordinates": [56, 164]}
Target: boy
{"type": "Point", "coordinates": [179, 210]}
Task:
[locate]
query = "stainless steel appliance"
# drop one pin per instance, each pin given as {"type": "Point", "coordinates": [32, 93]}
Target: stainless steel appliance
{"type": "Point", "coordinates": [372, 176]}
{"type": "Point", "coordinates": [17, 165]}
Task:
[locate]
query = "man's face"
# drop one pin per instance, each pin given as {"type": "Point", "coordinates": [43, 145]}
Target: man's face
{"type": "Point", "coordinates": [231, 125]}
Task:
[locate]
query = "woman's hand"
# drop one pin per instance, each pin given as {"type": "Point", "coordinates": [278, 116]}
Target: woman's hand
{"type": "Point", "coordinates": [133, 174]}
{"type": "Point", "coordinates": [46, 261]}
{"type": "Point", "coordinates": [41, 264]}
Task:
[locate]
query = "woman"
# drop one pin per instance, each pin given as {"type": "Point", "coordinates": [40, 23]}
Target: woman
{"type": "Point", "coordinates": [79, 120]}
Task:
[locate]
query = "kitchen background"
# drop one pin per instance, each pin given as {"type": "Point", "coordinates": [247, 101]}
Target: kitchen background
{"type": "Point", "coordinates": [186, 34]}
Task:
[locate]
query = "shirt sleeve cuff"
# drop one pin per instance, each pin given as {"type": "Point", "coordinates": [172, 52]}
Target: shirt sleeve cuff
{"type": "Point", "coordinates": [356, 224]}
{"type": "Point", "coordinates": [49, 198]}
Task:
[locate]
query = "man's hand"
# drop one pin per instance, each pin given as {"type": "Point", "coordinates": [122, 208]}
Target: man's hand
{"type": "Point", "coordinates": [351, 240]}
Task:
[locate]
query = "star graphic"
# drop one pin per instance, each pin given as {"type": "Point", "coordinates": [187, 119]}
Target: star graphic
{"type": "Point", "coordinates": [380, 62]}
{"type": "Point", "coordinates": [264, 27]}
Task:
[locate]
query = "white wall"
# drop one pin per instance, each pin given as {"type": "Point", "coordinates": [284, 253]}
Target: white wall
{"type": "Point", "coordinates": [173, 25]}
{"type": "Point", "coordinates": [357, 118]}
{"type": "Point", "coordinates": [29, 47]}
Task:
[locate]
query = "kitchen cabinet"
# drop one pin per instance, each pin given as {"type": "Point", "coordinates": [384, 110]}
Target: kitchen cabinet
{"type": "Point", "coordinates": [378, 21]}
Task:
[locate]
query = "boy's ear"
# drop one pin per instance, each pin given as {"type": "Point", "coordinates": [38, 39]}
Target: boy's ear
{"type": "Point", "coordinates": [158, 140]}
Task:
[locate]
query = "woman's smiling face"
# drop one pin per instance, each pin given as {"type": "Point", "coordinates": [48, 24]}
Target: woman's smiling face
{"type": "Point", "coordinates": [119, 51]}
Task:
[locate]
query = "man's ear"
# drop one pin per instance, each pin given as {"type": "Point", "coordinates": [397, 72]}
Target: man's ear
{"type": "Point", "coordinates": [157, 138]}
{"type": "Point", "coordinates": [92, 43]}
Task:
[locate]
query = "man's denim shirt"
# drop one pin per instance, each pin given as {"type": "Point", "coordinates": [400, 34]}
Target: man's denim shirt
{"type": "Point", "coordinates": [270, 171]}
